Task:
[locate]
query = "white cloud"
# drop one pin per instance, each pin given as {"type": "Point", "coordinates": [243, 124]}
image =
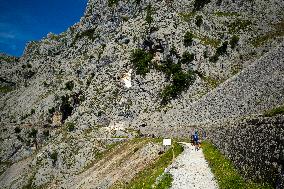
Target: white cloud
{"type": "Point", "coordinates": [7, 35]}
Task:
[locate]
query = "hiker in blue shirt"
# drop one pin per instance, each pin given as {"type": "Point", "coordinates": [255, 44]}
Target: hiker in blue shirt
{"type": "Point", "coordinates": [195, 138]}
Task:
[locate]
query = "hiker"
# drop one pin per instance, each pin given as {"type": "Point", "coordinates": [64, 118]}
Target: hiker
{"type": "Point", "coordinates": [196, 143]}
{"type": "Point", "coordinates": [191, 140]}
{"type": "Point", "coordinates": [203, 134]}
{"type": "Point", "coordinates": [192, 137]}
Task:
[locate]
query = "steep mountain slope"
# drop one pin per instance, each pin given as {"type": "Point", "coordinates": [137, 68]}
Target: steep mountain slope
{"type": "Point", "coordinates": [124, 65]}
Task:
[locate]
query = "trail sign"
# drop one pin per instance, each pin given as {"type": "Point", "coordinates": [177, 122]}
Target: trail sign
{"type": "Point", "coordinates": [167, 142]}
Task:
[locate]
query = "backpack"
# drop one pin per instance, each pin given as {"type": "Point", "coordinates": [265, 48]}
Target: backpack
{"type": "Point", "coordinates": [195, 137]}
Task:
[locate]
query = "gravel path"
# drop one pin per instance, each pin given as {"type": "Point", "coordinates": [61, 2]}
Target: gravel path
{"type": "Point", "coordinates": [190, 170]}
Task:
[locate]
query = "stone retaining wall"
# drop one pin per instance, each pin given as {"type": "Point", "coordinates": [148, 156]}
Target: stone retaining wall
{"type": "Point", "coordinates": [255, 145]}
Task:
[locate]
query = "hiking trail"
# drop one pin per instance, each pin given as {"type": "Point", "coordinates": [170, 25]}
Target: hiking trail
{"type": "Point", "coordinates": [191, 171]}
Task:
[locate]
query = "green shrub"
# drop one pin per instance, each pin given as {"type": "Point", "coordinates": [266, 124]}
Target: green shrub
{"type": "Point", "coordinates": [168, 93]}
{"type": "Point", "coordinates": [149, 12]}
{"type": "Point", "coordinates": [214, 58]}
{"type": "Point", "coordinates": [51, 110]}
{"type": "Point", "coordinates": [17, 130]}
{"type": "Point", "coordinates": [89, 80]}
{"type": "Point", "coordinates": [169, 68]}
{"type": "Point", "coordinates": [100, 113]}
{"type": "Point", "coordinates": [65, 108]}
{"type": "Point", "coordinates": [187, 58]}
{"type": "Point", "coordinates": [180, 82]}
{"type": "Point", "coordinates": [29, 65]}
{"type": "Point", "coordinates": [20, 138]}
{"type": "Point", "coordinates": [138, 1]}
{"type": "Point", "coordinates": [173, 51]}
{"type": "Point", "coordinates": [32, 111]}
{"type": "Point", "coordinates": [140, 60]}
{"type": "Point", "coordinates": [198, 20]}
{"type": "Point", "coordinates": [205, 54]}
{"type": "Point", "coordinates": [234, 41]}
{"type": "Point", "coordinates": [45, 84]}
{"type": "Point", "coordinates": [199, 4]}
{"type": "Point", "coordinates": [125, 18]}
{"type": "Point", "coordinates": [111, 3]}
{"type": "Point", "coordinates": [5, 89]}
{"type": "Point", "coordinates": [54, 157]}
{"type": "Point", "coordinates": [87, 33]}
{"type": "Point", "coordinates": [69, 85]}
{"type": "Point", "coordinates": [33, 133]}
{"type": "Point", "coordinates": [219, 2]}
{"type": "Point", "coordinates": [222, 49]}
{"type": "Point", "coordinates": [46, 133]}
{"type": "Point", "coordinates": [70, 126]}
{"type": "Point", "coordinates": [188, 39]}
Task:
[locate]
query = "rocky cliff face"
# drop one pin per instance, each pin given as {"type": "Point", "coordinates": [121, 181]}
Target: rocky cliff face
{"type": "Point", "coordinates": [79, 85]}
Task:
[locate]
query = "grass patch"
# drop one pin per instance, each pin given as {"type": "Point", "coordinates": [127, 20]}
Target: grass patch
{"type": "Point", "coordinates": [5, 89]}
{"type": "Point", "coordinates": [236, 69]}
{"type": "Point", "coordinates": [274, 111]}
{"type": "Point", "coordinates": [165, 182]}
{"type": "Point", "coordinates": [207, 40]}
{"type": "Point", "coordinates": [279, 32]}
{"type": "Point", "coordinates": [6, 58]}
{"type": "Point", "coordinates": [70, 126]}
{"type": "Point", "coordinates": [187, 16]}
{"type": "Point", "coordinates": [225, 172]}
{"type": "Point", "coordinates": [147, 177]}
{"type": "Point", "coordinates": [212, 82]}
{"type": "Point", "coordinates": [239, 25]}
{"type": "Point", "coordinates": [30, 185]}
{"type": "Point", "coordinates": [149, 12]}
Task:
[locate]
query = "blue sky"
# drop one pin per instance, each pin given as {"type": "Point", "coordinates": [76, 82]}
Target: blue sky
{"type": "Point", "coordinates": [26, 20]}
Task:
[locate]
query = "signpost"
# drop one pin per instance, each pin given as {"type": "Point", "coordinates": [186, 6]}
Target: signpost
{"type": "Point", "coordinates": [168, 142]}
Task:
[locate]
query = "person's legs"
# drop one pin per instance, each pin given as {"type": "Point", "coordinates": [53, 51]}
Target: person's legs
{"type": "Point", "coordinates": [196, 145]}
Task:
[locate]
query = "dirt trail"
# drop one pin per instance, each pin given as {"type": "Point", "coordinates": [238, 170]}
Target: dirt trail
{"type": "Point", "coordinates": [191, 171]}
